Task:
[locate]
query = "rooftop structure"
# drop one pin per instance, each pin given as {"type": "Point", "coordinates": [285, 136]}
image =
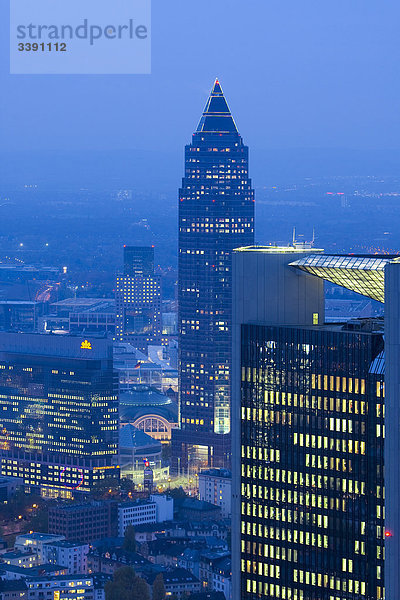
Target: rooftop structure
{"type": "Point", "coordinates": [363, 274]}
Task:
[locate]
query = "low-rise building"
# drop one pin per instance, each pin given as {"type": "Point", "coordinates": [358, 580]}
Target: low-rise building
{"type": "Point", "coordinates": [222, 577]}
{"type": "Point", "coordinates": [218, 529]}
{"type": "Point", "coordinates": [157, 509]}
{"type": "Point", "coordinates": [151, 531]}
{"type": "Point", "coordinates": [13, 589]}
{"type": "Point", "coordinates": [215, 572]}
{"type": "Point", "coordinates": [107, 562]}
{"type": "Point", "coordinates": [164, 551]}
{"type": "Point", "coordinates": [178, 582]}
{"type": "Point", "coordinates": [215, 486]}
{"type": "Point", "coordinates": [8, 487]}
{"type": "Point", "coordinates": [61, 587]}
{"type": "Point", "coordinates": [34, 542]}
{"type": "Point", "coordinates": [72, 555]}
{"type": "Point", "coordinates": [18, 558]}
{"type": "Point", "coordinates": [190, 560]}
{"type": "Point", "coordinates": [191, 509]}
{"type": "Point", "coordinates": [85, 522]}
{"type": "Point", "coordinates": [11, 572]}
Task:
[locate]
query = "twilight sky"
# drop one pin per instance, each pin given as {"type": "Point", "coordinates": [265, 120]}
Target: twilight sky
{"type": "Point", "coordinates": [296, 73]}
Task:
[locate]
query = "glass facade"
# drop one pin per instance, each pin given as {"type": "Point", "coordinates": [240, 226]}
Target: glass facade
{"type": "Point", "coordinates": [59, 417]}
{"type": "Point", "coordinates": [216, 215]}
{"type": "Point", "coordinates": [139, 260]}
{"type": "Point", "coordinates": [312, 435]}
{"type": "Point", "coordinates": [138, 300]}
{"type": "Point", "coordinates": [364, 274]}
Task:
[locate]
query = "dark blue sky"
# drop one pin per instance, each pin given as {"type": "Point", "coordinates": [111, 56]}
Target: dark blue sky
{"type": "Point", "coordinates": [296, 73]}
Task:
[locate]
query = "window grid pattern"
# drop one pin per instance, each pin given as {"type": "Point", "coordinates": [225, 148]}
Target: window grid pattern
{"type": "Point", "coordinates": [312, 431]}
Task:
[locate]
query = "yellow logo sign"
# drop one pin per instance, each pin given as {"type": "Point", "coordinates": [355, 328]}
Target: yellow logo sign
{"type": "Point", "coordinates": [86, 345]}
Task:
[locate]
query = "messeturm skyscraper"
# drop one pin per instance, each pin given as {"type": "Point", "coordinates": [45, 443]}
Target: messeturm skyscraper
{"type": "Point", "coordinates": [216, 215]}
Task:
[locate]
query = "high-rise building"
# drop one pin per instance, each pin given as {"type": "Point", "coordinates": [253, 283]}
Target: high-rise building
{"type": "Point", "coordinates": [59, 418]}
{"type": "Point", "coordinates": [216, 215]}
{"type": "Point", "coordinates": [139, 261]}
{"type": "Point", "coordinates": [315, 438]}
{"type": "Point", "coordinates": [138, 300]}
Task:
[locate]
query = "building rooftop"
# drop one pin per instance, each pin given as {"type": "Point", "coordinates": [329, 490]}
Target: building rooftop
{"type": "Point", "coordinates": [362, 273]}
{"type": "Point", "coordinates": [174, 576]}
{"type": "Point", "coordinates": [74, 577]}
{"type": "Point", "coordinates": [217, 116]}
{"type": "Point", "coordinates": [39, 537]}
{"type": "Point", "coordinates": [13, 585]}
{"type": "Point", "coordinates": [32, 571]}
{"type": "Point", "coordinates": [16, 554]}
{"type": "Point", "coordinates": [224, 473]}
{"type": "Point", "coordinates": [134, 438]}
{"type": "Point", "coordinates": [122, 556]}
{"type": "Point", "coordinates": [75, 507]}
{"type": "Point", "coordinates": [56, 346]}
{"type": "Point", "coordinates": [66, 544]}
{"type": "Point", "coordinates": [133, 503]}
{"type": "Point", "coordinates": [145, 400]}
{"type": "Point", "coordinates": [297, 248]}
{"type": "Point", "coordinates": [194, 504]}
{"type": "Point", "coordinates": [79, 302]}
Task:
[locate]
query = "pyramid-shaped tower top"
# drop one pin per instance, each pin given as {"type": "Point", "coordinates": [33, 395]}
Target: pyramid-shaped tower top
{"type": "Point", "coordinates": [217, 117]}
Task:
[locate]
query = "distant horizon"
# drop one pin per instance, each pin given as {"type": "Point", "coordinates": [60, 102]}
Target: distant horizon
{"type": "Point", "coordinates": [108, 169]}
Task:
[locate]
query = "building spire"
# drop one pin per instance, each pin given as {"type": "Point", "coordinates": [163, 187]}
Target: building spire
{"type": "Point", "coordinates": [217, 117]}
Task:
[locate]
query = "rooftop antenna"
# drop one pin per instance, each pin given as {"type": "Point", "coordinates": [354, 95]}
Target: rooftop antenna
{"type": "Point", "coordinates": [313, 236]}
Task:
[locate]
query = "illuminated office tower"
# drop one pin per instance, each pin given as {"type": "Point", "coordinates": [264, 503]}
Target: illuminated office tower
{"type": "Point", "coordinates": [139, 261]}
{"type": "Point", "coordinates": [138, 299]}
{"type": "Point", "coordinates": [59, 417]}
{"type": "Point", "coordinates": [216, 214]}
{"type": "Point", "coordinates": [309, 443]}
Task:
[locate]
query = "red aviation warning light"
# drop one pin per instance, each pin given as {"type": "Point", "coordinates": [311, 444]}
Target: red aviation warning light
{"type": "Point", "coordinates": [388, 534]}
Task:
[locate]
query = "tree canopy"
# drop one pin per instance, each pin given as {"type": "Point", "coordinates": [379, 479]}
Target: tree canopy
{"type": "Point", "coordinates": [130, 539]}
{"type": "Point", "coordinates": [159, 592]}
{"type": "Point", "coordinates": [126, 585]}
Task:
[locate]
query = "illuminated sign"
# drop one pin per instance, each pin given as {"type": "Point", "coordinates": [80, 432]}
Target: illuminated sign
{"type": "Point", "coordinates": [86, 345]}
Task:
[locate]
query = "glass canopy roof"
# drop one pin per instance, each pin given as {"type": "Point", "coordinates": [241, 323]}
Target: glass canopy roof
{"type": "Point", "coordinates": [363, 274]}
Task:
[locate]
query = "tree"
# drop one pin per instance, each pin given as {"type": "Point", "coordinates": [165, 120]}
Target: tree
{"type": "Point", "coordinates": [159, 588]}
{"type": "Point", "coordinates": [122, 585]}
{"type": "Point", "coordinates": [177, 493]}
{"type": "Point", "coordinates": [130, 539]}
{"type": "Point", "coordinates": [141, 590]}
{"type": "Point", "coordinates": [126, 585]}
{"type": "Point", "coordinates": [39, 522]}
{"type": "Point", "coordinates": [106, 488]}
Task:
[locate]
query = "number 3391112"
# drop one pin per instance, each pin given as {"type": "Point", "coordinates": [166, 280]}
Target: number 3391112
{"type": "Point", "coordinates": [42, 47]}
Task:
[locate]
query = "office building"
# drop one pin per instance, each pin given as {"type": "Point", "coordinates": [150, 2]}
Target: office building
{"type": "Point", "coordinates": [157, 509]}
{"type": "Point", "coordinates": [138, 300]}
{"type": "Point", "coordinates": [139, 261]}
{"type": "Point", "coordinates": [20, 315]}
{"type": "Point", "coordinates": [315, 474]}
{"type": "Point", "coordinates": [81, 316]}
{"type": "Point", "coordinates": [86, 522]}
{"type": "Point", "coordinates": [59, 423]}
{"type": "Point", "coordinates": [216, 215]}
